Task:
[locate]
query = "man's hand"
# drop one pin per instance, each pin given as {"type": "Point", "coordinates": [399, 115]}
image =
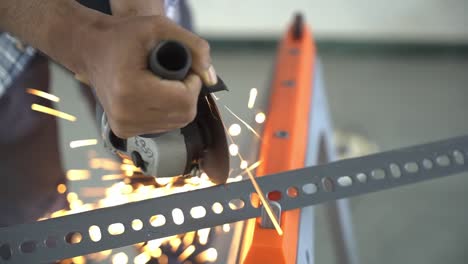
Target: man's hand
{"type": "Point", "coordinates": [125, 8]}
{"type": "Point", "coordinates": [134, 99]}
{"type": "Point", "coordinates": [111, 52]}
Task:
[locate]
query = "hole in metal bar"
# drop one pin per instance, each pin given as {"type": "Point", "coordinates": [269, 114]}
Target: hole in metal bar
{"type": "Point", "coordinates": [427, 164]}
{"type": "Point", "coordinates": [293, 51]}
{"type": "Point", "coordinates": [137, 224]}
{"type": "Point", "coordinates": [255, 200]}
{"type": "Point", "coordinates": [5, 252]}
{"type": "Point", "coordinates": [458, 157]}
{"type": "Point", "coordinates": [395, 170]}
{"type": "Point", "coordinates": [281, 134]}
{"type": "Point", "coordinates": [236, 204]}
{"type": "Point", "coordinates": [378, 174]}
{"type": "Point", "coordinates": [288, 83]}
{"type": "Point", "coordinates": [116, 229]}
{"type": "Point", "coordinates": [198, 212]}
{"type": "Point", "coordinates": [178, 216]}
{"type": "Point", "coordinates": [157, 220]}
{"type": "Point", "coordinates": [328, 184]}
{"type": "Point", "coordinates": [73, 238]}
{"type": "Point", "coordinates": [95, 233]}
{"type": "Point", "coordinates": [411, 167]}
{"type": "Point", "coordinates": [361, 177]}
{"type": "Point", "coordinates": [443, 160]}
{"type": "Point", "coordinates": [309, 188]}
{"type": "Point", "coordinates": [345, 181]}
{"type": "Point", "coordinates": [28, 246]}
{"type": "Point", "coordinates": [217, 208]}
{"type": "Point", "coordinates": [50, 242]}
{"type": "Point", "coordinates": [274, 195]}
{"type": "Point", "coordinates": [292, 192]}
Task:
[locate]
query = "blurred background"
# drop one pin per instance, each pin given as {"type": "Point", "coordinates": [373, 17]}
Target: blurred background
{"type": "Point", "coordinates": [396, 74]}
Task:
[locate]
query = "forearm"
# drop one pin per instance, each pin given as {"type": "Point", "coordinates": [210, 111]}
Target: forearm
{"type": "Point", "coordinates": [62, 29]}
{"type": "Point", "coordinates": [137, 7]}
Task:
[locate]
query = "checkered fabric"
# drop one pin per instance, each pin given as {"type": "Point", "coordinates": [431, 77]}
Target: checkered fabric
{"type": "Point", "coordinates": [13, 58]}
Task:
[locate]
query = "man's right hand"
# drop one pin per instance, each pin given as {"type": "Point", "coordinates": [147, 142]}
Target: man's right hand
{"type": "Point", "coordinates": [134, 99]}
{"type": "Point", "coordinates": [111, 52]}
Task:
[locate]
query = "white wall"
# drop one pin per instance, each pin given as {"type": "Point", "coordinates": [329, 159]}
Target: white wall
{"type": "Point", "coordinates": [395, 20]}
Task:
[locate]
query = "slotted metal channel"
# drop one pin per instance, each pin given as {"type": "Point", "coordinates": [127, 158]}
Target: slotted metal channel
{"type": "Point", "coordinates": [48, 240]}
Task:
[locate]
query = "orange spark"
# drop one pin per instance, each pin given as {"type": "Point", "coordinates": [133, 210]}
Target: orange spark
{"type": "Point", "coordinates": [175, 243]}
{"type": "Point", "coordinates": [78, 175]}
{"type": "Point", "coordinates": [104, 163]}
{"type": "Point", "coordinates": [244, 164]}
{"type": "Point", "coordinates": [120, 258]}
{"type": "Point", "coordinates": [61, 188]}
{"type": "Point", "coordinates": [79, 260]}
{"type": "Point", "coordinates": [215, 97]}
{"type": "Point", "coordinates": [267, 206]}
{"type": "Point", "coordinates": [72, 197]}
{"type": "Point", "coordinates": [143, 258]}
{"type": "Point", "coordinates": [252, 98]}
{"type": "Point", "coordinates": [252, 167]}
{"type": "Point", "coordinates": [188, 238]}
{"type": "Point", "coordinates": [112, 177]}
{"type": "Point", "coordinates": [209, 255]}
{"type": "Point", "coordinates": [50, 111]}
{"type": "Point", "coordinates": [156, 253]}
{"type": "Point", "coordinates": [243, 122]}
{"type": "Point", "coordinates": [43, 94]}
{"type": "Point", "coordinates": [83, 143]}
{"type": "Point", "coordinates": [235, 130]}
{"type": "Point", "coordinates": [233, 149]}
{"type": "Point", "coordinates": [127, 161]}
{"type": "Point", "coordinates": [203, 235]}
{"type": "Point", "coordinates": [260, 117]}
{"type": "Point", "coordinates": [259, 191]}
{"type": "Point", "coordinates": [186, 253]}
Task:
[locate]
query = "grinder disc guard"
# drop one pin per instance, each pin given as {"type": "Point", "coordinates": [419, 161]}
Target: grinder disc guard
{"type": "Point", "coordinates": [215, 157]}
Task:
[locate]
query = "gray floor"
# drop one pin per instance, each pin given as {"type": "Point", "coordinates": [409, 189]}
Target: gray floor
{"type": "Point", "coordinates": [394, 100]}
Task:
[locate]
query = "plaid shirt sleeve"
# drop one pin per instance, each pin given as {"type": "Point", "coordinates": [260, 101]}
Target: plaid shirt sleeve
{"type": "Point", "coordinates": [13, 58]}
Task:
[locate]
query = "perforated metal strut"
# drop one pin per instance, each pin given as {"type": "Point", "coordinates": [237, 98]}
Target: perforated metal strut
{"type": "Point", "coordinates": [46, 241]}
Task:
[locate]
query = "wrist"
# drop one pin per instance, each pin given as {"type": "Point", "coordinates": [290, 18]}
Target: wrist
{"type": "Point", "coordinates": [87, 37]}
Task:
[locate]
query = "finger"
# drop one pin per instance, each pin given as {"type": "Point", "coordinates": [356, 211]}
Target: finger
{"type": "Point", "coordinates": [193, 84]}
{"type": "Point", "coordinates": [174, 102]}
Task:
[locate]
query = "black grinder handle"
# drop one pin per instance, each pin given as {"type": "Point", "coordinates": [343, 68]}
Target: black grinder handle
{"type": "Point", "coordinates": [170, 60]}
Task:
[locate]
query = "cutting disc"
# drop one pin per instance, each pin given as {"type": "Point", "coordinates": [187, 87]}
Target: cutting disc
{"type": "Point", "coordinates": [215, 158]}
